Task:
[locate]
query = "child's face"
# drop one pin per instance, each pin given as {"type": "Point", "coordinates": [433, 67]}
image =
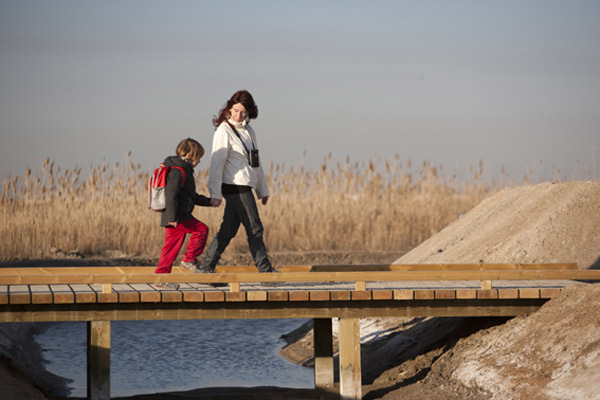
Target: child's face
{"type": "Point", "coordinates": [193, 162]}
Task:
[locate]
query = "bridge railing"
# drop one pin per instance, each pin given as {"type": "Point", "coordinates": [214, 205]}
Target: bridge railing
{"type": "Point", "coordinates": [359, 275]}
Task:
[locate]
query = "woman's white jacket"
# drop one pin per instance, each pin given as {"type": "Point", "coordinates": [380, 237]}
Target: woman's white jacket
{"type": "Point", "coordinates": [229, 161]}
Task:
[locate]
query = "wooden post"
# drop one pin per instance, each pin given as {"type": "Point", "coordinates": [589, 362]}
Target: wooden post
{"type": "Point", "coordinates": [98, 360]}
{"type": "Point", "coordinates": [350, 371]}
{"type": "Point", "coordinates": [323, 353]}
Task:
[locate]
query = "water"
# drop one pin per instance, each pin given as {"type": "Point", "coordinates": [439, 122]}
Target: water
{"type": "Point", "coordinates": [161, 356]}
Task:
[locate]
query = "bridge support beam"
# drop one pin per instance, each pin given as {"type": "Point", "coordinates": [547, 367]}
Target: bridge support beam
{"type": "Point", "coordinates": [349, 349]}
{"type": "Point", "coordinates": [323, 353]}
{"type": "Point", "coordinates": [98, 360]}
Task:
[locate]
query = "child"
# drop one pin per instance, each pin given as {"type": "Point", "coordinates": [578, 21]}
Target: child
{"type": "Point", "coordinates": [177, 217]}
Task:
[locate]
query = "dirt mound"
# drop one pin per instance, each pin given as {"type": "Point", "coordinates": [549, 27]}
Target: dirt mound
{"type": "Point", "coordinates": [548, 222]}
{"type": "Point", "coordinates": [553, 353]}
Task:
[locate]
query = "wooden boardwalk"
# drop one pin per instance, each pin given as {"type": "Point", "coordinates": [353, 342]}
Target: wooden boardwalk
{"type": "Point", "coordinates": [99, 295]}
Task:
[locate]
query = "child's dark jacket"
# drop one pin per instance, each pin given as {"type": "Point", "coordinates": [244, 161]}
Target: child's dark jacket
{"type": "Point", "coordinates": [180, 201]}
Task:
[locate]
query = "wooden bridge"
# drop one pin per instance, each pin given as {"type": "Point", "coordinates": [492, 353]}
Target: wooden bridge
{"type": "Point", "coordinates": [100, 295]}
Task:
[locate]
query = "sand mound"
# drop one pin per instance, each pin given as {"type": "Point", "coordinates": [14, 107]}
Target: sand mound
{"type": "Point", "coordinates": [548, 222]}
{"type": "Point", "coordinates": [553, 353]}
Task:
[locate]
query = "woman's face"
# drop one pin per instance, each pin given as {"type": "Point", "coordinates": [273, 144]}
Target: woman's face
{"type": "Point", "coordinates": [238, 112]}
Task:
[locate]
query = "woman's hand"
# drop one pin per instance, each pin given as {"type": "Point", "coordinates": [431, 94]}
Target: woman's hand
{"type": "Point", "coordinates": [215, 202]}
{"type": "Point", "coordinates": [264, 200]}
{"type": "Point", "coordinates": [173, 224]}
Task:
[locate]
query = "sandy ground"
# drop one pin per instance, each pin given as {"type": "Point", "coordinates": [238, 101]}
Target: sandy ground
{"type": "Point", "coordinates": [553, 353]}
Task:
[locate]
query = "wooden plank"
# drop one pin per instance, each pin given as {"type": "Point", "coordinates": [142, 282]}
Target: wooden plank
{"type": "Point", "coordinates": [533, 274]}
{"type": "Point", "coordinates": [340, 295]}
{"type": "Point", "coordinates": [108, 297]}
{"type": "Point", "coordinates": [319, 295]}
{"type": "Point", "coordinates": [148, 296]}
{"type": "Point", "coordinates": [214, 296]}
{"type": "Point", "coordinates": [85, 297]}
{"type": "Point", "coordinates": [509, 293]}
{"type": "Point", "coordinates": [255, 310]}
{"type": "Point", "coordinates": [129, 297]}
{"type": "Point", "coordinates": [277, 295]}
{"type": "Point", "coordinates": [19, 294]}
{"type": "Point", "coordinates": [49, 271]}
{"type": "Point", "coordinates": [171, 296]}
{"type": "Point", "coordinates": [361, 295]}
{"type": "Point", "coordinates": [466, 293]}
{"type": "Point", "coordinates": [445, 294]}
{"type": "Point", "coordinates": [62, 294]}
{"type": "Point", "coordinates": [41, 294]}
{"type": "Point", "coordinates": [127, 294]}
{"type": "Point", "coordinates": [404, 294]}
{"type": "Point", "coordinates": [424, 294]}
{"type": "Point", "coordinates": [193, 296]}
{"type": "Point", "coordinates": [548, 293]}
{"type": "Point", "coordinates": [349, 350]}
{"type": "Point", "coordinates": [437, 267]}
{"type": "Point", "coordinates": [323, 353]}
{"type": "Point", "coordinates": [235, 269]}
{"type": "Point", "coordinates": [98, 356]}
{"type": "Point", "coordinates": [484, 267]}
{"type": "Point", "coordinates": [84, 294]}
{"type": "Point", "coordinates": [361, 285]}
{"type": "Point", "coordinates": [235, 296]}
{"type": "Point", "coordinates": [234, 287]}
{"type": "Point", "coordinates": [528, 293]}
{"type": "Point", "coordinates": [256, 295]}
{"type": "Point", "coordinates": [382, 294]}
{"type": "Point", "coordinates": [487, 294]}
{"type": "Point", "coordinates": [3, 294]}
{"type": "Point", "coordinates": [298, 295]}
{"type": "Point", "coordinates": [486, 285]}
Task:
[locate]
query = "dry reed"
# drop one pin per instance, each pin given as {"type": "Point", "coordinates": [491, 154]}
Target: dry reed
{"type": "Point", "coordinates": [379, 205]}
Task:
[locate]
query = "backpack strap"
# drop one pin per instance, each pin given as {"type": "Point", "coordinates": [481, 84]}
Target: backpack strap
{"type": "Point", "coordinates": [182, 174]}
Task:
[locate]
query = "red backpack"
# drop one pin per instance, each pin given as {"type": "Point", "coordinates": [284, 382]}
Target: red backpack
{"type": "Point", "coordinates": [157, 186]}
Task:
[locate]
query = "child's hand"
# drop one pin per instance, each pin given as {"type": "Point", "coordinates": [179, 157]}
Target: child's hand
{"type": "Point", "coordinates": [215, 202]}
{"type": "Point", "coordinates": [173, 224]}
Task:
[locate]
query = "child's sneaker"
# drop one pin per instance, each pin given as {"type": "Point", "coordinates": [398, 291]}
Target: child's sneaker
{"type": "Point", "coordinates": [172, 286]}
{"type": "Point", "coordinates": [191, 266]}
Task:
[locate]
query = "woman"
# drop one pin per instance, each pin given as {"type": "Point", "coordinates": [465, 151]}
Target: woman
{"type": "Point", "coordinates": [234, 171]}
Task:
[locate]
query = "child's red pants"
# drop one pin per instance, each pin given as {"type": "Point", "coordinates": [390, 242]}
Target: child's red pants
{"type": "Point", "coordinates": [174, 239]}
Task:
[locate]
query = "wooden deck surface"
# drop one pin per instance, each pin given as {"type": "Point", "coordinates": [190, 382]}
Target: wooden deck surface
{"type": "Point", "coordinates": [87, 293]}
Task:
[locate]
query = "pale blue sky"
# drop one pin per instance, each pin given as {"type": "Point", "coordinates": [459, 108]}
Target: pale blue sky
{"type": "Point", "coordinates": [511, 83]}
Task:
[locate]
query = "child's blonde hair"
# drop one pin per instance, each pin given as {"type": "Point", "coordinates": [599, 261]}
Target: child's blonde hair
{"type": "Point", "coordinates": [190, 147]}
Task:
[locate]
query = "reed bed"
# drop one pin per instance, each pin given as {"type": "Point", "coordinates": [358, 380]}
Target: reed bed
{"type": "Point", "coordinates": [379, 205]}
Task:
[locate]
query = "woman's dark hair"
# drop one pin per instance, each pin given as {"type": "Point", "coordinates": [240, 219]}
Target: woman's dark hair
{"type": "Point", "coordinates": [242, 96]}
